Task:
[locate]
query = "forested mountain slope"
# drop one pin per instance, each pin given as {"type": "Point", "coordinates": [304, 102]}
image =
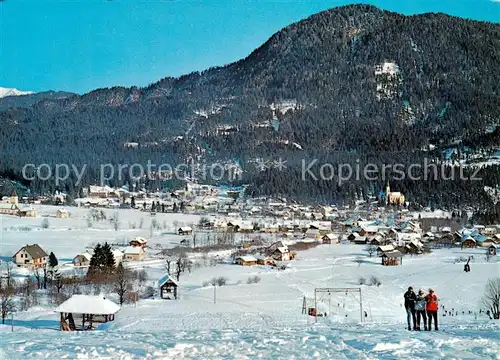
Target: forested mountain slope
{"type": "Point", "coordinates": [350, 80]}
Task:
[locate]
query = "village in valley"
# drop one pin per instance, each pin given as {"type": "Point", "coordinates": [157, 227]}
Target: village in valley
{"type": "Point", "coordinates": [216, 258]}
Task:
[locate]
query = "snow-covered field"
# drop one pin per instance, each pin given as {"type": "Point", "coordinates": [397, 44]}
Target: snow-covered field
{"type": "Point", "coordinates": [262, 320]}
{"type": "Point", "coordinates": [67, 237]}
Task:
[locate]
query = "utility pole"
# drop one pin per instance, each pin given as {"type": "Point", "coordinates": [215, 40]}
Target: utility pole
{"type": "Point", "coordinates": [215, 293]}
{"type": "Point", "coordinates": [12, 321]}
{"type": "Point", "coordinates": [360, 304]}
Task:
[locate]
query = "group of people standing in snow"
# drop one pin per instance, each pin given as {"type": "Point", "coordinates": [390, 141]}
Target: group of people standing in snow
{"type": "Point", "coordinates": [421, 307]}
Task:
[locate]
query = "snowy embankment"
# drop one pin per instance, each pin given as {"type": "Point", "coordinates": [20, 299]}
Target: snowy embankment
{"type": "Point", "coordinates": [469, 341]}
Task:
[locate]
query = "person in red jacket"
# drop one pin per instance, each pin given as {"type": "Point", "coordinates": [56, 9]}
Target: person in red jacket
{"type": "Point", "coordinates": [431, 301]}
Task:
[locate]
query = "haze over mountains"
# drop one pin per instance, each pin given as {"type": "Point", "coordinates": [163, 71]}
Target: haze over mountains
{"type": "Point", "coordinates": [351, 80]}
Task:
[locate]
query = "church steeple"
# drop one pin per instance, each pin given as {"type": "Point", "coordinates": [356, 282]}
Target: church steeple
{"type": "Point", "coordinates": [14, 200]}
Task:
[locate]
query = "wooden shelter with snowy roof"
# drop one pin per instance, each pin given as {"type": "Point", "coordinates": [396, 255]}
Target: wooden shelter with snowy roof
{"type": "Point", "coordinates": [84, 312]}
{"type": "Point", "coordinates": [168, 287]}
{"type": "Point", "coordinates": [392, 258]}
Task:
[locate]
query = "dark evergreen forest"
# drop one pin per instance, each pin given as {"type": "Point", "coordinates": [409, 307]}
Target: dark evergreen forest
{"type": "Point", "coordinates": [445, 92]}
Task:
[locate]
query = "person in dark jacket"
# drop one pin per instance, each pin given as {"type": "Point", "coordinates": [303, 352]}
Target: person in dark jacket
{"type": "Point", "coordinates": [410, 298]}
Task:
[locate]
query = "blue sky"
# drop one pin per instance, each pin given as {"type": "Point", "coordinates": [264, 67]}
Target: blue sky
{"type": "Point", "coordinates": [80, 45]}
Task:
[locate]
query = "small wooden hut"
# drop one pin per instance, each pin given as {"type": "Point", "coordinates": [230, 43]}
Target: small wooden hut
{"type": "Point", "coordinates": [84, 312]}
{"type": "Point", "coordinates": [246, 260]}
{"type": "Point", "coordinates": [168, 287]}
{"type": "Point", "coordinates": [330, 239]}
{"type": "Point", "coordinates": [392, 258]}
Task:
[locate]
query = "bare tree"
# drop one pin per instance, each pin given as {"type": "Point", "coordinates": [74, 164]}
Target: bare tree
{"type": "Point", "coordinates": [219, 281]}
{"type": "Point", "coordinates": [122, 283]}
{"type": "Point", "coordinates": [488, 255]}
{"type": "Point", "coordinates": [115, 220]}
{"type": "Point", "coordinates": [370, 249]}
{"type": "Point", "coordinates": [37, 274]}
{"type": "Point", "coordinates": [29, 296]}
{"type": "Point", "coordinates": [58, 280]}
{"type": "Point", "coordinates": [168, 261]}
{"type": "Point", "coordinates": [8, 275]}
{"type": "Point", "coordinates": [45, 275]}
{"type": "Point", "coordinates": [180, 265]}
{"type": "Point", "coordinates": [142, 276]}
{"type": "Point", "coordinates": [188, 265]}
{"type": "Point", "coordinates": [7, 301]}
{"type": "Point", "coordinates": [491, 297]}
{"type": "Point", "coordinates": [45, 223]}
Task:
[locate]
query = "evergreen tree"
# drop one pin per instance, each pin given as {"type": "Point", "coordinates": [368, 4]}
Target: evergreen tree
{"type": "Point", "coordinates": [108, 258]}
{"type": "Point", "coordinates": [96, 261]}
{"type": "Point", "coordinates": [53, 261]}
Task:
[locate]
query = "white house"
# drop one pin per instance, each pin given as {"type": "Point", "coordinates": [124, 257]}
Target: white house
{"type": "Point", "coordinates": [185, 230]}
{"type": "Point", "coordinates": [30, 256]}
{"type": "Point", "coordinates": [133, 253]}
{"type": "Point", "coordinates": [62, 214]}
{"type": "Point", "coordinates": [82, 260]}
{"type": "Point", "coordinates": [118, 255]}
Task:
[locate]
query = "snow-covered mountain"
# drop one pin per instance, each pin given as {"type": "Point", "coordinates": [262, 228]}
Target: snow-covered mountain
{"type": "Point", "coordinates": [12, 92]}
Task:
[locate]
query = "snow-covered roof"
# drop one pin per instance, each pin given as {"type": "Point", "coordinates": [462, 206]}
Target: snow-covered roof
{"type": "Point", "coordinates": [133, 250]}
{"type": "Point", "coordinates": [185, 228]}
{"type": "Point", "coordinates": [88, 304]}
{"type": "Point", "coordinates": [393, 254]}
{"type": "Point", "coordinates": [246, 225]}
{"type": "Point", "coordinates": [417, 243]}
{"type": "Point", "coordinates": [86, 255]}
{"type": "Point", "coordinates": [282, 249]}
{"type": "Point", "coordinates": [469, 238]}
{"type": "Point", "coordinates": [166, 278]}
{"type": "Point", "coordinates": [331, 236]}
{"type": "Point", "coordinates": [140, 240]}
{"type": "Point", "coordinates": [386, 248]}
{"type": "Point", "coordinates": [247, 258]}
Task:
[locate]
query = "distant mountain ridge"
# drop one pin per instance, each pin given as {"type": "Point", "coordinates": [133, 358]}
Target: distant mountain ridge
{"type": "Point", "coordinates": [28, 99]}
{"type": "Point", "coordinates": [350, 80]}
{"type": "Point", "coordinates": [12, 92]}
